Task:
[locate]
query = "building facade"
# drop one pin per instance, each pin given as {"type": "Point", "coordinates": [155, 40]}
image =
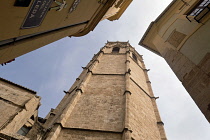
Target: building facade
{"type": "Point", "coordinates": [19, 110]}
{"type": "Point", "coordinates": [181, 36]}
{"type": "Point", "coordinates": [112, 99]}
{"type": "Point", "coordinates": [27, 25]}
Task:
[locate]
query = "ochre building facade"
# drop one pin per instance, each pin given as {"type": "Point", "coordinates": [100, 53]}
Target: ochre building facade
{"type": "Point", "coordinates": [27, 25]}
{"type": "Point", "coordinates": [181, 36]}
{"type": "Point", "coordinates": [112, 99]}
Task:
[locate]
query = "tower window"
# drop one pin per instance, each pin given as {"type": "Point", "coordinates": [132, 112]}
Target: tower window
{"type": "Point", "coordinates": [22, 3]}
{"type": "Point", "coordinates": [32, 117]}
{"type": "Point", "coordinates": [134, 57]}
{"type": "Point", "coordinates": [116, 50]}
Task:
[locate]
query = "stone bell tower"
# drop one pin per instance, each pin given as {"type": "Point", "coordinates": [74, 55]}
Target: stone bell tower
{"type": "Point", "coordinates": [112, 99]}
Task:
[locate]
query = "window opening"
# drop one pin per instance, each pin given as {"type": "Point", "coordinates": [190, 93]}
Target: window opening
{"type": "Point", "coordinates": [24, 130]}
{"type": "Point", "coordinates": [22, 3]}
{"type": "Point", "coordinates": [199, 11]}
{"type": "Point", "coordinates": [116, 50]}
{"type": "Point", "coordinates": [32, 117]}
{"type": "Point", "coordinates": [134, 57]}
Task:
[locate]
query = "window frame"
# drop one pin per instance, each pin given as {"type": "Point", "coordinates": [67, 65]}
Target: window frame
{"type": "Point", "coordinates": [134, 57]}
{"type": "Point", "coordinates": [24, 130]}
{"type": "Point", "coordinates": [197, 10]}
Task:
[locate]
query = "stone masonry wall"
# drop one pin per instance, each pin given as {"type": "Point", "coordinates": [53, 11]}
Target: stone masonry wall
{"type": "Point", "coordinates": [17, 105]}
{"type": "Point", "coordinates": [100, 107]}
{"type": "Point", "coordinates": [108, 101]}
{"type": "Point", "coordinates": [86, 135]}
{"type": "Point", "coordinates": [143, 120]}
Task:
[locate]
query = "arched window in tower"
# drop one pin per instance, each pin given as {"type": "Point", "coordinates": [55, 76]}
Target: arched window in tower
{"type": "Point", "coordinates": [115, 50]}
{"type": "Point", "coordinates": [134, 57]}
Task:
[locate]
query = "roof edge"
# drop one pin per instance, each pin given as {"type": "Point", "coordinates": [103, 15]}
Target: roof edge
{"type": "Point", "coordinates": [165, 10]}
{"type": "Point", "coordinates": [121, 11]}
{"type": "Point", "coordinates": [142, 40]}
{"type": "Point", "coordinates": [32, 91]}
{"type": "Point", "coordinates": [151, 25]}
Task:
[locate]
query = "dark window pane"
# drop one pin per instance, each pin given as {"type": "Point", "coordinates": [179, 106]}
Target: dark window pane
{"type": "Point", "coordinates": [134, 57]}
{"type": "Point", "coordinates": [24, 130]}
{"type": "Point", "coordinates": [116, 50]}
{"type": "Point", "coordinates": [22, 3]}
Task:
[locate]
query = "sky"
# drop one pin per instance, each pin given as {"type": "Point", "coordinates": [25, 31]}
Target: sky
{"type": "Point", "coordinates": [54, 68]}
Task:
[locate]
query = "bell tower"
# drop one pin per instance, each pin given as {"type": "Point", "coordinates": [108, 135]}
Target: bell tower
{"type": "Point", "coordinates": [112, 99]}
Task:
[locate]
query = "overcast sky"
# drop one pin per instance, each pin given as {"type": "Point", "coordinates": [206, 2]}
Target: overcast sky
{"type": "Point", "coordinates": [54, 68]}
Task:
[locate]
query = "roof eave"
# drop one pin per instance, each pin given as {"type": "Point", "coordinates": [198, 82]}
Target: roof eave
{"type": "Point", "coordinates": [22, 87]}
{"type": "Point", "coordinates": [151, 25]}
{"type": "Point", "coordinates": [141, 43]}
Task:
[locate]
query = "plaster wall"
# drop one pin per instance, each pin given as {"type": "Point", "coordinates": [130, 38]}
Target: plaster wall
{"type": "Point", "coordinates": [18, 48]}
{"type": "Point", "coordinates": [14, 16]}
{"type": "Point", "coordinates": [197, 46]}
